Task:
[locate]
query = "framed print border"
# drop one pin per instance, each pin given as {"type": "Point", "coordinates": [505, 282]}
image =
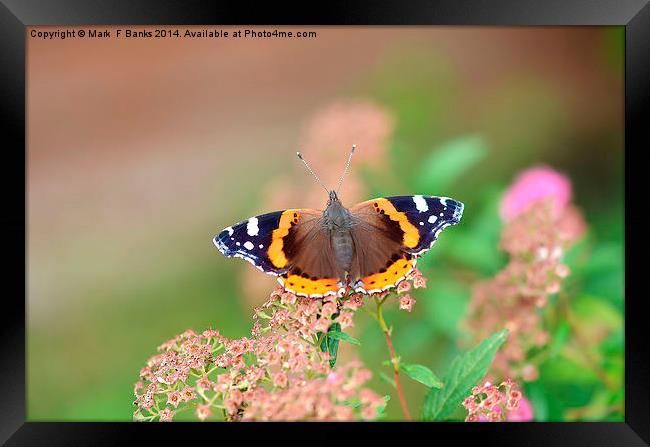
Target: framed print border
{"type": "Point", "coordinates": [16, 15]}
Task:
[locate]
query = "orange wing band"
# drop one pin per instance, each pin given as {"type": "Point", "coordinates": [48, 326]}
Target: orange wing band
{"type": "Point", "coordinates": [411, 234]}
{"type": "Point", "coordinates": [314, 288]}
{"type": "Point", "coordinates": [392, 275]}
{"type": "Point", "coordinates": [288, 219]}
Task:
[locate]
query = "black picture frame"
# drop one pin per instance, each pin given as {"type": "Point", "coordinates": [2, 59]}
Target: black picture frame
{"type": "Point", "coordinates": [16, 15]}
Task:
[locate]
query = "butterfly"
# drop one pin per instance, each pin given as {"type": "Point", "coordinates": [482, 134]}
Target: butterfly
{"type": "Point", "coordinates": [369, 248]}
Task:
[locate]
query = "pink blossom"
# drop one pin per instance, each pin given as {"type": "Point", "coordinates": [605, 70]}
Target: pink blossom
{"type": "Point", "coordinates": [174, 398]}
{"type": "Point", "coordinates": [203, 411]}
{"type": "Point", "coordinates": [345, 320]}
{"type": "Point", "coordinates": [204, 382]}
{"type": "Point", "coordinates": [166, 415]}
{"type": "Point", "coordinates": [210, 333]}
{"type": "Point", "coordinates": [529, 373]}
{"type": "Point", "coordinates": [280, 379]}
{"type": "Point", "coordinates": [406, 302]}
{"type": "Point", "coordinates": [523, 413]}
{"type": "Point", "coordinates": [238, 363]}
{"type": "Point", "coordinates": [354, 302]}
{"type": "Point", "coordinates": [553, 288]}
{"type": "Point", "coordinates": [419, 281]}
{"type": "Point", "coordinates": [403, 286]}
{"type": "Point", "coordinates": [533, 185]}
{"type": "Point", "coordinates": [188, 394]}
{"type": "Point", "coordinates": [491, 403]}
{"type": "Point", "coordinates": [562, 271]}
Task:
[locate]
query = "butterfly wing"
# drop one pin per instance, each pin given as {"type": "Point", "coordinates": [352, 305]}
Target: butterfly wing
{"type": "Point", "coordinates": [391, 232]}
{"type": "Point", "coordinates": [289, 244]}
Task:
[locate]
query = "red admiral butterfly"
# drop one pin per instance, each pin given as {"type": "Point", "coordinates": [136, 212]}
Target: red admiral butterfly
{"type": "Point", "coordinates": [369, 248]}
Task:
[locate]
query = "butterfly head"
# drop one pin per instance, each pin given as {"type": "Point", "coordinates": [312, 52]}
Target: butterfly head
{"type": "Point", "coordinates": [336, 216]}
{"type": "Point", "coordinates": [333, 198]}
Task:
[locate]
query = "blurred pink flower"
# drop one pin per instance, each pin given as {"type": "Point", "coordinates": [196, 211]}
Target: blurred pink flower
{"type": "Point", "coordinates": [533, 185]}
{"type": "Point", "coordinates": [203, 411]}
{"type": "Point", "coordinates": [535, 238]}
{"type": "Point", "coordinates": [523, 413]}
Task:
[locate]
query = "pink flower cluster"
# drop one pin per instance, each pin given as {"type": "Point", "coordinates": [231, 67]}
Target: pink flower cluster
{"type": "Point", "coordinates": [322, 398]}
{"type": "Point", "coordinates": [279, 374]}
{"type": "Point", "coordinates": [406, 301]}
{"type": "Point", "coordinates": [306, 317]}
{"type": "Point", "coordinates": [494, 403]}
{"type": "Point", "coordinates": [536, 238]}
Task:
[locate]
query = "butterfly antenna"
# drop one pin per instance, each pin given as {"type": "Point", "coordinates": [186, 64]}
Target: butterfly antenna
{"type": "Point", "coordinates": [312, 172]}
{"type": "Point", "coordinates": [347, 166]}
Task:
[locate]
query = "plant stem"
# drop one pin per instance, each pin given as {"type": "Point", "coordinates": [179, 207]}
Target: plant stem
{"type": "Point", "coordinates": [393, 358]}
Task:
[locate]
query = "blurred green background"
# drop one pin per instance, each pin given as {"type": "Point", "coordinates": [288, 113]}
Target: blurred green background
{"type": "Point", "coordinates": [140, 151]}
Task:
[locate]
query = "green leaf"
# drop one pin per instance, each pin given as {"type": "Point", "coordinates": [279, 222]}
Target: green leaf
{"type": "Point", "coordinates": [343, 337]}
{"type": "Point", "coordinates": [465, 372]}
{"type": "Point", "coordinates": [330, 344]}
{"type": "Point", "coordinates": [560, 337]}
{"type": "Point", "coordinates": [446, 164]}
{"type": "Point", "coordinates": [383, 376]}
{"type": "Point", "coordinates": [422, 374]}
{"type": "Point", "coordinates": [381, 411]}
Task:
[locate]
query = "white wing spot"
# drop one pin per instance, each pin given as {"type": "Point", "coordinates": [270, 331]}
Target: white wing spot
{"type": "Point", "coordinates": [248, 245]}
{"type": "Point", "coordinates": [252, 228]}
{"type": "Point", "coordinates": [432, 219]}
{"type": "Point", "coordinates": [237, 244]}
{"type": "Point", "coordinates": [261, 246]}
{"type": "Point", "coordinates": [421, 223]}
{"type": "Point", "coordinates": [420, 204]}
{"type": "Point", "coordinates": [229, 230]}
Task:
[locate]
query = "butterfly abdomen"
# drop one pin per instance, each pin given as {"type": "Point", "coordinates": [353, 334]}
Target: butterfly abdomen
{"type": "Point", "coordinates": [338, 222]}
{"type": "Point", "coordinates": [343, 248]}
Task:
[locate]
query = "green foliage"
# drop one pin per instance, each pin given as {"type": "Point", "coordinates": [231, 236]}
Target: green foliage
{"type": "Point", "coordinates": [342, 336]}
{"type": "Point", "coordinates": [603, 273]}
{"type": "Point", "coordinates": [330, 342]}
{"type": "Point", "coordinates": [559, 339]}
{"type": "Point", "coordinates": [442, 167]}
{"type": "Point", "coordinates": [537, 396]}
{"type": "Point", "coordinates": [421, 374]}
{"type": "Point", "coordinates": [464, 373]}
{"type": "Point", "coordinates": [595, 316]}
{"type": "Point", "coordinates": [389, 380]}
